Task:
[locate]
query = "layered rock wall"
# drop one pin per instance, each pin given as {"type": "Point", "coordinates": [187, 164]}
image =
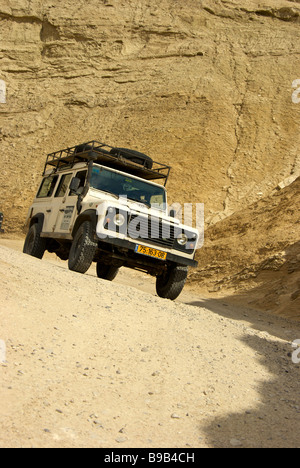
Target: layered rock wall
{"type": "Point", "coordinates": [205, 86]}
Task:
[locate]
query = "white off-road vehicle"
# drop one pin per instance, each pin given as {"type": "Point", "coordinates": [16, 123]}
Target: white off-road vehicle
{"type": "Point", "coordinates": [108, 205]}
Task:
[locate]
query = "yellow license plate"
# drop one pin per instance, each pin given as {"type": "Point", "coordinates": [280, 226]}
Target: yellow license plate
{"type": "Point", "coordinates": [141, 249]}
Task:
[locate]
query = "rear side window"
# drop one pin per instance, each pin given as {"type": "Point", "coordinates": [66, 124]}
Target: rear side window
{"type": "Point", "coordinates": [63, 185]}
{"type": "Point", "coordinates": [47, 187]}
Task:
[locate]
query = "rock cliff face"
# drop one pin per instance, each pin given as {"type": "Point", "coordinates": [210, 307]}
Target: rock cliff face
{"type": "Point", "coordinates": [254, 255]}
{"type": "Point", "coordinates": [203, 85]}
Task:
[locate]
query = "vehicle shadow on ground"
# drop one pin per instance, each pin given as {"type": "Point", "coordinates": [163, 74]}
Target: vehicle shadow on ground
{"type": "Point", "coordinates": [281, 327]}
{"type": "Point", "coordinates": [274, 421]}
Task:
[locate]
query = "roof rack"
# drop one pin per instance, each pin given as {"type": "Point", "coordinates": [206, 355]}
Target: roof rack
{"type": "Point", "coordinates": [107, 156]}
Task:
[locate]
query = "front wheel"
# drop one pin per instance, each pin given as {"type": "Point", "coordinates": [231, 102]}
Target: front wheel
{"type": "Point", "coordinates": [83, 248]}
{"type": "Point", "coordinates": [170, 284]}
{"type": "Point", "coordinates": [34, 245]}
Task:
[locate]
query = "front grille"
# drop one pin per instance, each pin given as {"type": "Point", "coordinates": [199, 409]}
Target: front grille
{"type": "Point", "coordinates": [151, 230]}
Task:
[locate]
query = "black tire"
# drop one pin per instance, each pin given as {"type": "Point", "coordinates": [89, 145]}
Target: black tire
{"type": "Point", "coordinates": [107, 272]}
{"type": "Point", "coordinates": [171, 283]}
{"type": "Point", "coordinates": [134, 156]}
{"type": "Point", "coordinates": [83, 249]}
{"type": "Point", "coordinates": [34, 245]}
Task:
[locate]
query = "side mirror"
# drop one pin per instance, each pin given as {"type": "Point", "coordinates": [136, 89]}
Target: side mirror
{"type": "Point", "coordinates": [74, 185]}
{"type": "Point", "coordinates": [172, 213]}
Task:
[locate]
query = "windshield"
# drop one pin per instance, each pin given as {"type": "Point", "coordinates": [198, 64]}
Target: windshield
{"type": "Point", "coordinates": [125, 186]}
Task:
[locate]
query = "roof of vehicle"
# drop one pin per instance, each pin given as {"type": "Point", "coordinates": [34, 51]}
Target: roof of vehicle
{"type": "Point", "coordinates": [132, 175]}
{"type": "Point", "coordinates": [106, 156]}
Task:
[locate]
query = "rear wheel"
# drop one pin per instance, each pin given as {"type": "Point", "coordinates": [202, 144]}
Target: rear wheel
{"type": "Point", "coordinates": [34, 245]}
{"type": "Point", "coordinates": [107, 272]}
{"type": "Point", "coordinates": [83, 248]}
{"type": "Point", "coordinates": [170, 284]}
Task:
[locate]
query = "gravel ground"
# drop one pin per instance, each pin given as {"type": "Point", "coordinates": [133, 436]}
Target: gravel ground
{"type": "Point", "coordinates": [89, 363]}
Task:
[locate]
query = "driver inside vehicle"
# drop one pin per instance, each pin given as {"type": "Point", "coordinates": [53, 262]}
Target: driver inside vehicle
{"type": "Point", "coordinates": [101, 183]}
{"type": "Point", "coordinates": [133, 192]}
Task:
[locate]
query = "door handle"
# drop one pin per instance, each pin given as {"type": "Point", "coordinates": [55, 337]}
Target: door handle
{"type": "Point", "coordinates": [48, 211]}
{"type": "Point", "coordinates": [62, 210]}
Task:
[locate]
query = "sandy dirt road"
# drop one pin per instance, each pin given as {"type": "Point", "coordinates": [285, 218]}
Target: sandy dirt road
{"type": "Point", "coordinates": [89, 363]}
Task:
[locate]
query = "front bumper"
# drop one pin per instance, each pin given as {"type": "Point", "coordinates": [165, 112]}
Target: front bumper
{"type": "Point", "coordinates": [125, 244]}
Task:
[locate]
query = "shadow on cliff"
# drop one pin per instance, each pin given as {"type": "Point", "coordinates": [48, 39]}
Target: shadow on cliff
{"type": "Point", "coordinates": [277, 285]}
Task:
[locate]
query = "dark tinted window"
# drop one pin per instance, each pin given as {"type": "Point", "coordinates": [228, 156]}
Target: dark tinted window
{"type": "Point", "coordinates": [47, 187]}
{"type": "Point", "coordinates": [63, 185]}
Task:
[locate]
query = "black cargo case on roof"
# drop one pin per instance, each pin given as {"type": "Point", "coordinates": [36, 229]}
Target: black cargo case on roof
{"type": "Point", "coordinates": [122, 159]}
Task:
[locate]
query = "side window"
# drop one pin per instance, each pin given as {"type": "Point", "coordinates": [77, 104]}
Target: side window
{"type": "Point", "coordinates": [82, 176]}
{"type": "Point", "coordinates": [47, 187]}
{"type": "Point", "coordinates": [63, 185]}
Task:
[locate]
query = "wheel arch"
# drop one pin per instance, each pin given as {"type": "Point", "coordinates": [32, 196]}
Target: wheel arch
{"type": "Point", "coordinates": [88, 215]}
{"type": "Point", "coordinates": [37, 219]}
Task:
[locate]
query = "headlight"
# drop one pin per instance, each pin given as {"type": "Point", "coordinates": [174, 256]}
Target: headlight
{"type": "Point", "coordinates": [119, 219]}
{"type": "Point", "coordinates": [182, 239]}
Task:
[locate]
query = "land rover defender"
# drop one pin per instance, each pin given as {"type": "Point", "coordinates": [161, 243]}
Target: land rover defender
{"type": "Point", "coordinates": [107, 205]}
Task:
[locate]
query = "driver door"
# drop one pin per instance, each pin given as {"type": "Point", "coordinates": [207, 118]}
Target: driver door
{"type": "Point", "coordinates": [67, 207]}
